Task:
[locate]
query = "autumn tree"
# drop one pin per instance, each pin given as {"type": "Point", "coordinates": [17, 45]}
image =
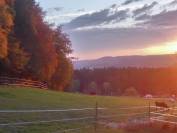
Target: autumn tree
{"type": "Point", "coordinates": [63, 75]}
{"type": "Point", "coordinates": [31, 47]}
{"type": "Point", "coordinates": [17, 57]}
{"type": "Point", "coordinates": [64, 70]}
{"type": "Point", "coordinates": [6, 23]}
{"type": "Point", "coordinates": [36, 37]}
{"type": "Point", "coordinates": [13, 57]}
{"type": "Point", "coordinates": [3, 44]}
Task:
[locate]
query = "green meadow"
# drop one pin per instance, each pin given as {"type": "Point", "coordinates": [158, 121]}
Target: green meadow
{"type": "Point", "coordinates": [19, 98]}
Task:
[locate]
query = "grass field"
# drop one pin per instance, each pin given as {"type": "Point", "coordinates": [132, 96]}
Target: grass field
{"type": "Point", "coordinates": [18, 98]}
{"type": "Point", "coordinates": [28, 98]}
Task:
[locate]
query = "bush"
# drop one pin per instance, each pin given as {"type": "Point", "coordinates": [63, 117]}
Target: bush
{"type": "Point", "coordinates": [131, 92]}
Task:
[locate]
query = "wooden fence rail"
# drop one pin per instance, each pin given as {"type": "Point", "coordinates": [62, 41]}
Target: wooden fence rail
{"type": "Point", "coordinates": [93, 119]}
{"type": "Point", "coordinates": [22, 82]}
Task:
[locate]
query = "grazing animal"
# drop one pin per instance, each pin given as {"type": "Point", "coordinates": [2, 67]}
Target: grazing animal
{"type": "Point", "coordinates": [161, 104]}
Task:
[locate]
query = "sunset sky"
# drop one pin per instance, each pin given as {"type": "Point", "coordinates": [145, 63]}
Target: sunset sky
{"type": "Point", "coordinates": [100, 28]}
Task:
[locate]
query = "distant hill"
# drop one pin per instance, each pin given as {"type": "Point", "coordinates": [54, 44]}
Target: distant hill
{"type": "Point", "coordinates": [149, 61]}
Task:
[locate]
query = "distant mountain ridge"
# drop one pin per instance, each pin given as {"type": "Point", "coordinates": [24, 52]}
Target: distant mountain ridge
{"type": "Point", "coordinates": [149, 61]}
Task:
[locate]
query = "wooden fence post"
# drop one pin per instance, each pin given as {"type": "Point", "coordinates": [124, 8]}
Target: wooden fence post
{"type": "Point", "coordinates": [150, 113]}
{"type": "Point", "coordinates": [96, 116]}
{"type": "Point", "coordinates": [149, 110]}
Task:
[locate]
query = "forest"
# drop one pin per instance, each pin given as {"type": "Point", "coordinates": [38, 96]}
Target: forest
{"type": "Point", "coordinates": [30, 47]}
{"type": "Point", "coordinates": [126, 81]}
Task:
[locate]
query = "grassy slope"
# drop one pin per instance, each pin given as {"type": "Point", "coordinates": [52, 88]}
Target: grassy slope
{"type": "Point", "coordinates": [28, 98]}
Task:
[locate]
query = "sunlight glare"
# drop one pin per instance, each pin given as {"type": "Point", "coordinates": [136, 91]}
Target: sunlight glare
{"type": "Point", "coordinates": [167, 48]}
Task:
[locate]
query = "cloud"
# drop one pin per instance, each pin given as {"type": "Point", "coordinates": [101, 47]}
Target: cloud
{"type": "Point", "coordinates": [164, 19]}
{"type": "Point", "coordinates": [143, 17]}
{"type": "Point", "coordinates": [120, 38]}
{"type": "Point", "coordinates": [54, 9]}
{"type": "Point", "coordinates": [65, 17]}
{"type": "Point", "coordinates": [81, 10]}
{"type": "Point", "coordinates": [114, 6]}
{"type": "Point", "coordinates": [112, 17]}
{"type": "Point", "coordinates": [130, 1]}
{"type": "Point", "coordinates": [173, 3]}
{"type": "Point", "coordinates": [123, 29]}
{"type": "Point", "coordinates": [150, 34]}
{"type": "Point", "coordinates": [97, 18]}
{"type": "Point", "coordinates": [146, 8]}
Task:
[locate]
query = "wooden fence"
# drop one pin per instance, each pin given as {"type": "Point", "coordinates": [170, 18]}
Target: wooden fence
{"type": "Point", "coordinates": [93, 120]}
{"type": "Point", "coordinates": [22, 82]}
{"type": "Point", "coordinates": [151, 114]}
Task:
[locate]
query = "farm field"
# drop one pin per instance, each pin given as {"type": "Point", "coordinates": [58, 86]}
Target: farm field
{"type": "Point", "coordinates": [18, 98]}
{"type": "Point", "coordinates": [95, 66]}
{"type": "Point", "coordinates": [29, 98]}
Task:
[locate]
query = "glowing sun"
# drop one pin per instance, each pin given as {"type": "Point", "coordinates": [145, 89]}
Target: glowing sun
{"type": "Point", "coordinates": [167, 48]}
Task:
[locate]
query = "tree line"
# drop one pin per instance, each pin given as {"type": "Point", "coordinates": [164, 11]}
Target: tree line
{"type": "Point", "coordinates": [30, 47]}
{"type": "Point", "coordinates": [126, 81]}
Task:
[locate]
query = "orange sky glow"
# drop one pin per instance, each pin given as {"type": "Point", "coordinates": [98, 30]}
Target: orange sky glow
{"type": "Point", "coordinates": [166, 48]}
